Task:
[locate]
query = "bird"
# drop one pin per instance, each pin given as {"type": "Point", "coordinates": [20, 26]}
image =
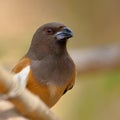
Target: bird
{"type": "Point", "coordinates": [47, 70]}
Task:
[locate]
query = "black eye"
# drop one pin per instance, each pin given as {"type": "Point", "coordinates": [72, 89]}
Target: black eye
{"type": "Point", "coordinates": [49, 31]}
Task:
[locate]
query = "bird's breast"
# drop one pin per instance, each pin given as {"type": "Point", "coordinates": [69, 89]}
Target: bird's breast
{"type": "Point", "coordinates": [50, 70]}
{"type": "Point", "coordinates": [49, 93]}
{"type": "Point", "coordinates": [49, 78]}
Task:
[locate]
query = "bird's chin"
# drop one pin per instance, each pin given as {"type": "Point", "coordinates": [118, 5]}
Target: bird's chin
{"type": "Point", "coordinates": [64, 40]}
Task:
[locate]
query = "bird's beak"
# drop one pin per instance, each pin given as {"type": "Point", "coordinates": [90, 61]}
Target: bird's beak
{"type": "Point", "coordinates": [65, 33]}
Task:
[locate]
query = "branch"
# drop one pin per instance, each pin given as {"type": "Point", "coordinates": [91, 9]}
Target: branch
{"type": "Point", "coordinates": [92, 59]}
{"type": "Point", "coordinates": [27, 103]}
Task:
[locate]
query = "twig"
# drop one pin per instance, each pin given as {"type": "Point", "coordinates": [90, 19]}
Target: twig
{"type": "Point", "coordinates": [26, 102]}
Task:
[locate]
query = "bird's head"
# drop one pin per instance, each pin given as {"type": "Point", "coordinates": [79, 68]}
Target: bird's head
{"type": "Point", "coordinates": [50, 37]}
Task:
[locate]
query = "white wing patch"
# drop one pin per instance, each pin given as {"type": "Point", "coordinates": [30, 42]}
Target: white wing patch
{"type": "Point", "coordinates": [21, 79]}
{"type": "Point", "coordinates": [22, 75]}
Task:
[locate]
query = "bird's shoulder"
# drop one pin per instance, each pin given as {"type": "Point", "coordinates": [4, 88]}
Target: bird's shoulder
{"type": "Point", "coordinates": [24, 62]}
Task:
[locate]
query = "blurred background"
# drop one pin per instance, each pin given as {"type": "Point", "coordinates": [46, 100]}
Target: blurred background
{"type": "Point", "coordinates": [95, 23]}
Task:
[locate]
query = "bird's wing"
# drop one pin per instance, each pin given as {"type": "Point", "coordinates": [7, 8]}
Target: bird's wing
{"type": "Point", "coordinates": [21, 72]}
{"type": "Point", "coordinates": [24, 62]}
{"type": "Point", "coordinates": [72, 81]}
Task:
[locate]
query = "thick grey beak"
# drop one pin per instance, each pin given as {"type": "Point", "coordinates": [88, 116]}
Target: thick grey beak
{"type": "Point", "coordinates": [66, 33]}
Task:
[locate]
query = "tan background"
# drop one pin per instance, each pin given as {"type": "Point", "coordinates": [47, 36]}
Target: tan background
{"type": "Point", "coordinates": [94, 23]}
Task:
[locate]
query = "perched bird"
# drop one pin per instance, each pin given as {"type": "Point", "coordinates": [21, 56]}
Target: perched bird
{"type": "Point", "coordinates": [47, 70]}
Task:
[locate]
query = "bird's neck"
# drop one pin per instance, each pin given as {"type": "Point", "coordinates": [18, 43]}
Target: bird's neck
{"type": "Point", "coordinates": [59, 48]}
{"type": "Point", "coordinates": [40, 52]}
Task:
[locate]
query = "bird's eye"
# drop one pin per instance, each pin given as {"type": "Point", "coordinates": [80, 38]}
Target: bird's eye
{"type": "Point", "coordinates": [49, 31]}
